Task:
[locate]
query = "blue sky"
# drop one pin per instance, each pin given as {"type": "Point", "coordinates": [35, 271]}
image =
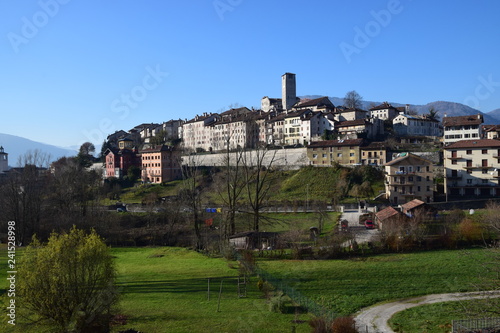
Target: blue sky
{"type": "Point", "coordinates": [75, 71]}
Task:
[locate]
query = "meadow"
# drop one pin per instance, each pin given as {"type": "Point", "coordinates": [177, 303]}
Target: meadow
{"type": "Point", "coordinates": [165, 289]}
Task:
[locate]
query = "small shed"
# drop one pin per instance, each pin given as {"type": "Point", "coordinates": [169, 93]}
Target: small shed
{"type": "Point", "coordinates": [417, 207]}
{"type": "Point", "coordinates": [386, 215]}
{"type": "Point", "coordinates": [253, 240]}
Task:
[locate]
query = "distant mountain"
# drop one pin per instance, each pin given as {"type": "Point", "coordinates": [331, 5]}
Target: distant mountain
{"type": "Point", "coordinates": [450, 109]}
{"type": "Point", "coordinates": [495, 113]}
{"type": "Point", "coordinates": [17, 146]}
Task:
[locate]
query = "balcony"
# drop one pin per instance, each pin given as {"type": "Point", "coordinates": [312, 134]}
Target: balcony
{"type": "Point", "coordinates": [478, 166]}
{"type": "Point", "coordinates": [456, 157]}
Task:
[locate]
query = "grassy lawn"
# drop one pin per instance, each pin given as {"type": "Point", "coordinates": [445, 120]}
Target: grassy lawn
{"type": "Point", "coordinates": [279, 222]}
{"type": "Point", "coordinates": [346, 286]}
{"type": "Point", "coordinates": [432, 318]}
{"type": "Point", "coordinates": [165, 290]}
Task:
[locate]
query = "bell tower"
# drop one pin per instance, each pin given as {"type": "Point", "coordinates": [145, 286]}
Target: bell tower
{"type": "Point", "coordinates": [288, 91]}
{"type": "Point", "coordinates": [4, 160]}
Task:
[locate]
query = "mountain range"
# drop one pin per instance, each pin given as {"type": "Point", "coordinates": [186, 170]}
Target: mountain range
{"type": "Point", "coordinates": [445, 109]}
{"type": "Point", "coordinates": [17, 146]}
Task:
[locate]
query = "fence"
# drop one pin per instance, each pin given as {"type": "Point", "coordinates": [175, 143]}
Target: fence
{"type": "Point", "coordinates": [483, 325]}
{"type": "Point", "coordinates": [291, 292]}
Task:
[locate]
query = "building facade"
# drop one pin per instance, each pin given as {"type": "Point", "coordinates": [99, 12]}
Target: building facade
{"type": "Point", "coordinates": [462, 128]}
{"type": "Point", "coordinates": [410, 125]}
{"type": "Point", "coordinates": [409, 177]}
{"type": "Point", "coordinates": [343, 152]}
{"type": "Point", "coordinates": [472, 168]}
{"type": "Point", "coordinates": [160, 164]}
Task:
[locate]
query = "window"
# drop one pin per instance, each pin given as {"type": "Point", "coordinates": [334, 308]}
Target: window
{"type": "Point", "coordinates": [324, 155]}
{"type": "Point", "coordinates": [484, 151]}
{"type": "Point", "coordinates": [418, 188]}
{"type": "Point", "coordinates": [410, 179]}
{"type": "Point", "coordinates": [351, 154]}
{"type": "Point", "coordinates": [315, 155]}
{"type": "Point", "coordinates": [419, 179]}
{"type": "Point", "coordinates": [339, 154]}
{"type": "Point", "coordinates": [469, 152]}
{"type": "Point", "coordinates": [485, 171]}
{"type": "Point", "coordinates": [453, 161]}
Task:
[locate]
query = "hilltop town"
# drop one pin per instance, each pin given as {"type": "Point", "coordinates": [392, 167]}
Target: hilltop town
{"type": "Point", "coordinates": [459, 150]}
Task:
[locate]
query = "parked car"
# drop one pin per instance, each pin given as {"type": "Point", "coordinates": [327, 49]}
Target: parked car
{"type": "Point", "coordinates": [369, 224]}
{"type": "Point", "coordinates": [121, 210]}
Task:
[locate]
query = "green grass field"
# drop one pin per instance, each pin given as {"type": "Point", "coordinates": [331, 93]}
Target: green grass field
{"type": "Point", "coordinates": [346, 286]}
{"type": "Point", "coordinates": [165, 289]}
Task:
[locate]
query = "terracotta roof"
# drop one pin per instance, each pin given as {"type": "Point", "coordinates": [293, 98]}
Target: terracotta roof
{"type": "Point", "coordinates": [491, 128]}
{"type": "Point", "coordinates": [463, 120]}
{"type": "Point", "coordinates": [407, 155]}
{"type": "Point", "coordinates": [412, 204]}
{"type": "Point", "coordinates": [336, 143]}
{"type": "Point", "coordinates": [156, 149]}
{"type": "Point", "coordinates": [322, 101]}
{"type": "Point", "coordinates": [375, 145]}
{"type": "Point", "coordinates": [382, 106]}
{"type": "Point", "coordinates": [356, 122]}
{"type": "Point", "coordinates": [484, 143]}
{"type": "Point", "coordinates": [386, 213]}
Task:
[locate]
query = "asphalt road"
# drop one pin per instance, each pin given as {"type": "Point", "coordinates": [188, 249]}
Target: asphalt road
{"type": "Point", "coordinates": [361, 234]}
{"type": "Point", "coordinates": [374, 319]}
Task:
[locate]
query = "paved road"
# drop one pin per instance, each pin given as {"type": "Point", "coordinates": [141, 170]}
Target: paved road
{"type": "Point", "coordinates": [374, 319]}
{"type": "Point", "coordinates": [361, 234]}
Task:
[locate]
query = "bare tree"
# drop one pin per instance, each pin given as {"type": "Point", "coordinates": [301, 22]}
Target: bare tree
{"type": "Point", "coordinates": [35, 157]}
{"type": "Point", "coordinates": [257, 168]}
{"type": "Point", "coordinates": [191, 193]}
{"type": "Point", "coordinates": [353, 100]}
{"type": "Point", "coordinates": [230, 184]}
{"type": "Point", "coordinates": [21, 199]}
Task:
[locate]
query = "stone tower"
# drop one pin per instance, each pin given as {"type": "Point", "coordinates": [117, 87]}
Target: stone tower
{"type": "Point", "coordinates": [288, 90]}
{"type": "Point", "coordinates": [4, 160]}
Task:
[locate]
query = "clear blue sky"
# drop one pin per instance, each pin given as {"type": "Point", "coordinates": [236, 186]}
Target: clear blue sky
{"type": "Point", "coordinates": [77, 70]}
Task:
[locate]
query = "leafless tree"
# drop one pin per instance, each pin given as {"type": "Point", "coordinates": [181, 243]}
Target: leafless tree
{"type": "Point", "coordinates": [21, 198]}
{"type": "Point", "coordinates": [353, 100]}
{"type": "Point", "coordinates": [257, 168]}
{"type": "Point", "coordinates": [35, 157]}
{"type": "Point", "coordinates": [191, 193]}
{"type": "Point", "coordinates": [230, 185]}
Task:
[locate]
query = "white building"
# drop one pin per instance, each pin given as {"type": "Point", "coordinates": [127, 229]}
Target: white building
{"type": "Point", "coordinates": [413, 125]}
{"type": "Point", "coordinates": [462, 128]}
{"type": "Point", "coordinates": [472, 168]}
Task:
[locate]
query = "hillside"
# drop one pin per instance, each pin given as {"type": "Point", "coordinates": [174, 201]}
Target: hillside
{"type": "Point", "coordinates": [17, 146]}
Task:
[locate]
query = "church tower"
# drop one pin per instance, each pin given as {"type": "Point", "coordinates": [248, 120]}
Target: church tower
{"type": "Point", "coordinates": [288, 90]}
{"type": "Point", "coordinates": [4, 160]}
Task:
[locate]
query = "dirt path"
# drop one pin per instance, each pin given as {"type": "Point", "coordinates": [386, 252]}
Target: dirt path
{"type": "Point", "coordinates": [374, 319]}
